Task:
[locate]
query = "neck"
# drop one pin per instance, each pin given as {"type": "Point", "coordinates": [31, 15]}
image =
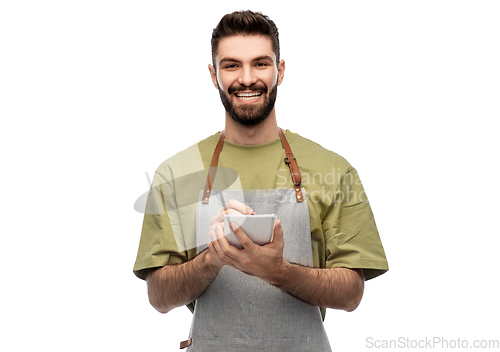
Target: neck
{"type": "Point", "coordinates": [264, 132]}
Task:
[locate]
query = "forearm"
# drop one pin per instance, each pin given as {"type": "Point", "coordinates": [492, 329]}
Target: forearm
{"type": "Point", "coordinates": [337, 288]}
{"type": "Point", "coordinates": [176, 285]}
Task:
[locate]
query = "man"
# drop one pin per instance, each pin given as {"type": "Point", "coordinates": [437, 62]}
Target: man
{"type": "Point", "coordinates": [325, 243]}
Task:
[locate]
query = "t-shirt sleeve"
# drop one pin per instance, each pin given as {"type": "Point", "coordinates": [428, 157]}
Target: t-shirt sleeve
{"type": "Point", "coordinates": [351, 235]}
{"type": "Point", "coordinates": [158, 246]}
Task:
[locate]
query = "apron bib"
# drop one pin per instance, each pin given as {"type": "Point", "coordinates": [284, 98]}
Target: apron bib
{"type": "Point", "coordinates": [240, 312]}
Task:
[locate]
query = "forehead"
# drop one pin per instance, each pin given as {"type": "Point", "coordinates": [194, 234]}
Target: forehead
{"type": "Point", "coordinates": [245, 47]}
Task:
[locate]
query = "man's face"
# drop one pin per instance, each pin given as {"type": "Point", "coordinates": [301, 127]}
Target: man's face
{"type": "Point", "coordinates": [247, 77]}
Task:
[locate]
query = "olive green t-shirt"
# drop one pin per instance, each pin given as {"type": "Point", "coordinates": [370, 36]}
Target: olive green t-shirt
{"type": "Point", "coordinates": [343, 230]}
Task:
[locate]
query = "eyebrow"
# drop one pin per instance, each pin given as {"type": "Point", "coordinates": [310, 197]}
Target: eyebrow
{"type": "Point", "coordinates": [258, 58]}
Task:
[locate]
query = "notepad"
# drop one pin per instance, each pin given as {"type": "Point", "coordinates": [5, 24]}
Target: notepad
{"type": "Point", "coordinates": [259, 228]}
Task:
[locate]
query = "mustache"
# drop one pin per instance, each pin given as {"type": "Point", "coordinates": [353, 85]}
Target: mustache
{"type": "Point", "coordinates": [241, 87]}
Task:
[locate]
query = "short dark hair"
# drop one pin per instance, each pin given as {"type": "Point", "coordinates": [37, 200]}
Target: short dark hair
{"type": "Point", "coordinates": [245, 22]}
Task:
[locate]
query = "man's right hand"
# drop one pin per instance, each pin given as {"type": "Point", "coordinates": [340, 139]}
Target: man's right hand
{"type": "Point", "coordinates": [232, 207]}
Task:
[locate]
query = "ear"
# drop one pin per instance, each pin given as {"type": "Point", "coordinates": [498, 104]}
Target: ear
{"type": "Point", "coordinates": [213, 75]}
{"type": "Point", "coordinates": [281, 71]}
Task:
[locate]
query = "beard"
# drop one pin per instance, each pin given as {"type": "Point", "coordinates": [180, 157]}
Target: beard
{"type": "Point", "coordinates": [249, 115]}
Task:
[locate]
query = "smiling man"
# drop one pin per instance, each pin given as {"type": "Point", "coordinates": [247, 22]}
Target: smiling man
{"type": "Point", "coordinates": [247, 84]}
{"type": "Point", "coordinates": [325, 242]}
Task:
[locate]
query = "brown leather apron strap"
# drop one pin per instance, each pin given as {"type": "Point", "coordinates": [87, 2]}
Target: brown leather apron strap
{"type": "Point", "coordinates": [289, 160]}
{"type": "Point", "coordinates": [186, 343]}
{"type": "Point", "coordinates": [294, 167]}
{"type": "Point", "coordinates": [213, 168]}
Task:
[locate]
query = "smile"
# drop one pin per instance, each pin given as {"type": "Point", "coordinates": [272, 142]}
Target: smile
{"type": "Point", "coordinates": [248, 96]}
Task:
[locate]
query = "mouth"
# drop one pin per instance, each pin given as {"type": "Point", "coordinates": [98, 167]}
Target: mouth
{"type": "Point", "coordinates": [248, 96]}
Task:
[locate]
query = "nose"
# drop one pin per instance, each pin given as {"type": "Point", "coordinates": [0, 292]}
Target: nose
{"type": "Point", "coordinates": [247, 76]}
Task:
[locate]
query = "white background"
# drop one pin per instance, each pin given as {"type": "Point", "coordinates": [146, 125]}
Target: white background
{"type": "Point", "coordinates": [94, 94]}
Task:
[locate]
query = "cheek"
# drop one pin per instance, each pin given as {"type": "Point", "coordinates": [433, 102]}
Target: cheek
{"type": "Point", "coordinates": [224, 82]}
{"type": "Point", "coordinates": [271, 79]}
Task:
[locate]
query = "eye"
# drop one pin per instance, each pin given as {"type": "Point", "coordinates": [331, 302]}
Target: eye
{"type": "Point", "coordinates": [261, 64]}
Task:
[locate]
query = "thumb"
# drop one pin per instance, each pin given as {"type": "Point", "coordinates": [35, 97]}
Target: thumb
{"type": "Point", "coordinates": [278, 233]}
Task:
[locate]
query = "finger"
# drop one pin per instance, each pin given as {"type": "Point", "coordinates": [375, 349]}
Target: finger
{"type": "Point", "coordinates": [225, 261]}
{"type": "Point", "coordinates": [220, 241]}
{"type": "Point", "coordinates": [212, 228]}
{"type": "Point", "coordinates": [219, 231]}
{"type": "Point", "coordinates": [215, 242]}
{"type": "Point", "coordinates": [238, 206]}
{"type": "Point", "coordinates": [246, 242]}
{"type": "Point", "coordinates": [212, 250]}
{"type": "Point", "coordinates": [278, 233]}
{"type": "Point", "coordinates": [227, 253]}
{"type": "Point", "coordinates": [229, 212]}
{"type": "Point", "coordinates": [217, 216]}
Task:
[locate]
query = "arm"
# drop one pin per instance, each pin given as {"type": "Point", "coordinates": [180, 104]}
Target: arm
{"type": "Point", "coordinates": [176, 285]}
{"type": "Point", "coordinates": [338, 288]}
{"type": "Point", "coordinates": [173, 286]}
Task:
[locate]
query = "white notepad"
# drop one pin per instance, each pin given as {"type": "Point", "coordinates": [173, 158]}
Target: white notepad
{"type": "Point", "coordinates": [259, 228]}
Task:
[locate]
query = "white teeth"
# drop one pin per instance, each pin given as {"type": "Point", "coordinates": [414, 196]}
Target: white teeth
{"type": "Point", "coordinates": [248, 96]}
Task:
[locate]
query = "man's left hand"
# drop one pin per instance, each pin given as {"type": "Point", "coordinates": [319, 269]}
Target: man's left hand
{"type": "Point", "coordinates": [255, 260]}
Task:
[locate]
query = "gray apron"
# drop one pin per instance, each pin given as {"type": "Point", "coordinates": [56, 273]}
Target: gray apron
{"type": "Point", "coordinates": [240, 312]}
